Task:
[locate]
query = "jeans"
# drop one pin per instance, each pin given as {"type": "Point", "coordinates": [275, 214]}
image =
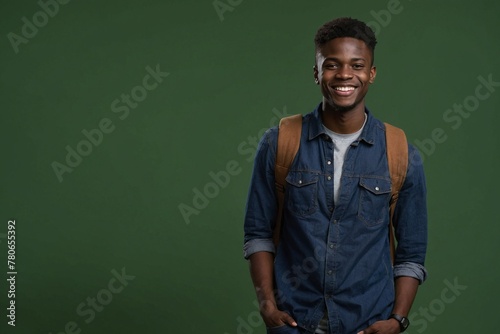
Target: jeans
{"type": "Point", "coordinates": [285, 329]}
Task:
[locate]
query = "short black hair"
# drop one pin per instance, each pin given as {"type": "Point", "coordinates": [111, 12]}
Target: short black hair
{"type": "Point", "coordinates": [346, 27]}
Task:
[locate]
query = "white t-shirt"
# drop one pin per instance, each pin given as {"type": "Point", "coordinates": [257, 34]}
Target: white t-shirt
{"type": "Point", "coordinates": [341, 143]}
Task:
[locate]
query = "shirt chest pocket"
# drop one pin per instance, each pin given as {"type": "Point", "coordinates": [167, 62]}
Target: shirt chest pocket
{"type": "Point", "coordinates": [374, 199]}
{"type": "Point", "coordinates": [302, 192]}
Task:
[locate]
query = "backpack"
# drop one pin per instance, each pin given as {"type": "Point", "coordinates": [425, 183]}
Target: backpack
{"type": "Point", "coordinates": [290, 130]}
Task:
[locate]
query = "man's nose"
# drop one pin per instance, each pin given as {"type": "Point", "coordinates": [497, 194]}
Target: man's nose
{"type": "Point", "coordinates": [344, 73]}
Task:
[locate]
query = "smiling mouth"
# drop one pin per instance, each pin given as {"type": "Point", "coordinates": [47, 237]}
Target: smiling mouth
{"type": "Point", "coordinates": [344, 88]}
{"type": "Point", "coordinates": [343, 91]}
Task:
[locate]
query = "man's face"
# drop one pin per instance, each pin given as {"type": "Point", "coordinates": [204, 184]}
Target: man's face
{"type": "Point", "coordinates": [344, 72]}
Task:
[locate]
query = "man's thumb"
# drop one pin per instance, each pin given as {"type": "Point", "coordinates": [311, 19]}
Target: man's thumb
{"type": "Point", "coordinates": [289, 320]}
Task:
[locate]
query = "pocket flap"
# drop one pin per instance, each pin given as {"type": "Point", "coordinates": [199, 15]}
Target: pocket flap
{"type": "Point", "coordinates": [375, 185]}
{"type": "Point", "coordinates": [300, 179]}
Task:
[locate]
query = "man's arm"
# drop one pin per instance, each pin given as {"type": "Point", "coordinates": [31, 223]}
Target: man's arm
{"type": "Point", "coordinates": [411, 233]}
{"type": "Point", "coordinates": [260, 216]}
{"type": "Point", "coordinates": [262, 273]}
{"type": "Point", "coordinates": [406, 290]}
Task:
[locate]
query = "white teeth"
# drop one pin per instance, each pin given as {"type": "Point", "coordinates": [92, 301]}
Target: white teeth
{"type": "Point", "coordinates": [344, 89]}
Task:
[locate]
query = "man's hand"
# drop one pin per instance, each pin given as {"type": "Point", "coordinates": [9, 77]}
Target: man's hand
{"type": "Point", "coordinates": [274, 317]}
{"type": "Point", "coordinates": [262, 272]}
{"type": "Point", "coordinates": [390, 326]}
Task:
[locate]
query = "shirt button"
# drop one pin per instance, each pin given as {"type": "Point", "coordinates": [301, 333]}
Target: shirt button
{"type": "Point", "coordinates": [329, 162]}
{"type": "Point", "coordinates": [335, 221]}
{"type": "Point", "coordinates": [332, 245]}
{"type": "Point", "coordinates": [329, 177]}
{"type": "Point", "coordinates": [300, 182]}
{"type": "Point", "coordinates": [377, 188]}
{"type": "Point", "coordinates": [330, 272]}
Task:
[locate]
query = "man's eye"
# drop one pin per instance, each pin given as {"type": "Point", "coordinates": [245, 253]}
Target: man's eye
{"type": "Point", "coordinates": [358, 66]}
{"type": "Point", "coordinates": [331, 66]}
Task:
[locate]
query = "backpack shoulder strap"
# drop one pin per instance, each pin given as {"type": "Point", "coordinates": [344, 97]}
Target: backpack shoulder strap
{"type": "Point", "coordinates": [397, 157]}
{"type": "Point", "coordinates": [289, 133]}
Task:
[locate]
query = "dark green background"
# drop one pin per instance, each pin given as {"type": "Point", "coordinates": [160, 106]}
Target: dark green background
{"type": "Point", "coordinates": [119, 207]}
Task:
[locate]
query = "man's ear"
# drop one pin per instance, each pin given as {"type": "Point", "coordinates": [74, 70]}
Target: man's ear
{"type": "Point", "coordinates": [373, 74]}
{"type": "Point", "coordinates": [315, 73]}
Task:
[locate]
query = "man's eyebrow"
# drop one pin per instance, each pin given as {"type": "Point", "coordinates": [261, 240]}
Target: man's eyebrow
{"type": "Point", "coordinates": [337, 59]}
{"type": "Point", "coordinates": [331, 59]}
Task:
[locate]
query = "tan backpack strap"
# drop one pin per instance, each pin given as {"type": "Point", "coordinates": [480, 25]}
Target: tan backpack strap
{"type": "Point", "coordinates": [397, 157]}
{"type": "Point", "coordinates": [290, 130]}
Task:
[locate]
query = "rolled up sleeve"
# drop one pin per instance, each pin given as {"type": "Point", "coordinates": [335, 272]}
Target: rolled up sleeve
{"type": "Point", "coordinates": [258, 245]}
{"type": "Point", "coordinates": [411, 269]}
{"type": "Point", "coordinates": [410, 221]}
{"type": "Point", "coordinates": [261, 207]}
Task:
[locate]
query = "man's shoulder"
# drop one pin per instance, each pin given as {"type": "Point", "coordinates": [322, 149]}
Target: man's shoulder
{"type": "Point", "coordinates": [414, 156]}
{"type": "Point", "coordinates": [271, 135]}
{"type": "Point", "coordinates": [375, 121]}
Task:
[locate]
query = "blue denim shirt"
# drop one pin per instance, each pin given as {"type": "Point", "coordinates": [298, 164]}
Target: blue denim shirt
{"type": "Point", "coordinates": [335, 259]}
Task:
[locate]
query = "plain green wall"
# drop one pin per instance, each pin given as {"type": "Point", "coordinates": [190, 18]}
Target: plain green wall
{"type": "Point", "coordinates": [228, 77]}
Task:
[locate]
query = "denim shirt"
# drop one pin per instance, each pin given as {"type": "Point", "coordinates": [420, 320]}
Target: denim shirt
{"type": "Point", "coordinates": [332, 259]}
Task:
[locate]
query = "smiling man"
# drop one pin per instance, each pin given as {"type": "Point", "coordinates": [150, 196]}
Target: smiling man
{"type": "Point", "coordinates": [332, 270]}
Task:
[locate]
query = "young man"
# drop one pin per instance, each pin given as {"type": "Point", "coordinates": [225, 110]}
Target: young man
{"type": "Point", "coordinates": [332, 271]}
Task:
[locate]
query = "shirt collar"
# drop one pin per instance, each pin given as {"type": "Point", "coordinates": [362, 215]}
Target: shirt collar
{"type": "Point", "coordinates": [316, 127]}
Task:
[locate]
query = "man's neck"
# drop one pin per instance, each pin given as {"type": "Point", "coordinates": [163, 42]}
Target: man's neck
{"type": "Point", "coordinates": [344, 122]}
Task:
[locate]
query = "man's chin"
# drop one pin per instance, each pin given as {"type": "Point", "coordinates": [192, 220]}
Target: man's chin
{"type": "Point", "coordinates": [341, 108]}
{"type": "Point", "coordinates": [344, 108]}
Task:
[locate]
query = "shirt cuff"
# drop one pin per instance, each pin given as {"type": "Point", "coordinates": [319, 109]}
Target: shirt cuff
{"type": "Point", "coordinates": [411, 269]}
{"type": "Point", "coordinates": [258, 245]}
